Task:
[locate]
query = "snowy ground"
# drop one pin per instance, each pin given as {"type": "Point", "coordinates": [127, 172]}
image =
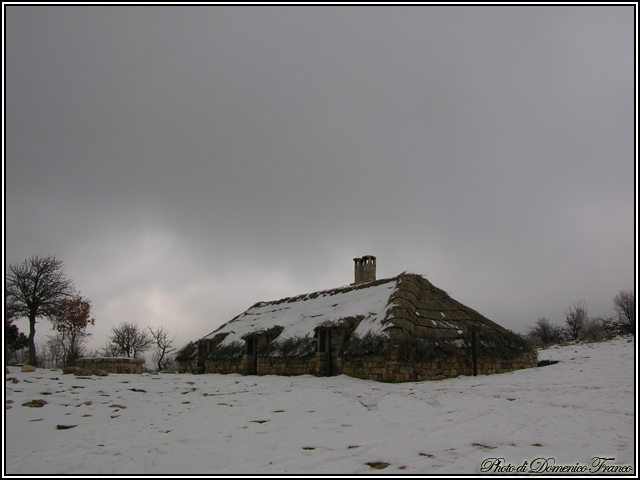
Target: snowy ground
{"type": "Point", "coordinates": [566, 413]}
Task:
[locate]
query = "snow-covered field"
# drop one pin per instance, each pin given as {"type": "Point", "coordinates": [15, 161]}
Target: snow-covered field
{"type": "Point", "coordinates": [566, 413]}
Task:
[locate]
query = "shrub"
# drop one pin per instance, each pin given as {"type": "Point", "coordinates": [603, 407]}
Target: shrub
{"type": "Point", "coordinates": [412, 349]}
{"type": "Point", "coordinates": [230, 351]}
{"type": "Point", "coordinates": [625, 305]}
{"type": "Point", "coordinates": [289, 347]}
{"type": "Point", "coordinates": [187, 352]}
{"type": "Point", "coordinates": [576, 316]}
{"type": "Point", "coordinates": [421, 350]}
{"type": "Point", "coordinates": [492, 344]}
{"type": "Point", "coordinates": [545, 333]}
{"type": "Point", "coordinates": [592, 330]}
{"type": "Point", "coordinates": [367, 345]}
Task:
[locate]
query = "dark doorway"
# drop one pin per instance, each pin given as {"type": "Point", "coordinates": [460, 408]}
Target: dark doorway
{"type": "Point", "coordinates": [200, 358]}
{"type": "Point", "coordinates": [324, 347]}
{"type": "Point", "coordinates": [332, 352]}
{"type": "Point", "coordinates": [327, 344]}
{"type": "Point", "coordinates": [251, 349]}
{"type": "Point", "coordinates": [328, 350]}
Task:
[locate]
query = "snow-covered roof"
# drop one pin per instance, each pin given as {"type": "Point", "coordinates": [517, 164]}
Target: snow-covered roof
{"type": "Point", "coordinates": [402, 308]}
{"type": "Point", "coordinates": [300, 315]}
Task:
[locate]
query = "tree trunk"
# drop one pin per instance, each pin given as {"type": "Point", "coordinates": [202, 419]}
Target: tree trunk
{"type": "Point", "coordinates": [160, 358]}
{"type": "Point", "coordinates": [73, 354]}
{"type": "Point", "coordinates": [32, 336]}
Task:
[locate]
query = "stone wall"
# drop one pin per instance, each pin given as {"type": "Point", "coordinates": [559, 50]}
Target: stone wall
{"type": "Point", "coordinates": [187, 367]}
{"type": "Point", "coordinates": [288, 365]}
{"type": "Point", "coordinates": [265, 366]}
{"type": "Point", "coordinates": [226, 366]}
{"type": "Point", "coordinates": [390, 368]}
{"type": "Point", "coordinates": [111, 364]}
{"type": "Point", "coordinates": [394, 369]}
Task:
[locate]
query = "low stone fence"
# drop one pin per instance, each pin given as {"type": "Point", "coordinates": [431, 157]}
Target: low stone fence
{"type": "Point", "coordinates": [111, 364]}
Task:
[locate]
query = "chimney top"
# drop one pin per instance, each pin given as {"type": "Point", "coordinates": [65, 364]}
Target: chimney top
{"type": "Point", "coordinates": [365, 269]}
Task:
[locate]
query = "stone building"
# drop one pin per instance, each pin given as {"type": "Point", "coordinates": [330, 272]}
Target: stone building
{"type": "Point", "coordinates": [393, 330]}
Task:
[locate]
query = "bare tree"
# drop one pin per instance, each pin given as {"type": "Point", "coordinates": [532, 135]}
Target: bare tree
{"type": "Point", "coordinates": [131, 339]}
{"type": "Point", "coordinates": [55, 349]}
{"type": "Point", "coordinates": [545, 333]}
{"type": "Point", "coordinates": [592, 330]}
{"type": "Point", "coordinates": [162, 347]}
{"type": "Point", "coordinates": [35, 289]}
{"type": "Point", "coordinates": [92, 353]}
{"type": "Point", "coordinates": [109, 349]}
{"type": "Point", "coordinates": [43, 355]}
{"type": "Point", "coordinates": [625, 306]}
{"type": "Point", "coordinates": [576, 316]}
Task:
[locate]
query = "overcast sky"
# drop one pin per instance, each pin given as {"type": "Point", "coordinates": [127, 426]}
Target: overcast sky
{"type": "Point", "coordinates": [186, 162]}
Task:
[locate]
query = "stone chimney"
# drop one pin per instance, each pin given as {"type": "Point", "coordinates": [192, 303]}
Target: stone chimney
{"type": "Point", "coordinates": [365, 269]}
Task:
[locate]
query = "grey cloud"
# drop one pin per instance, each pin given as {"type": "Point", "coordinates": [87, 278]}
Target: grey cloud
{"type": "Point", "coordinates": [257, 150]}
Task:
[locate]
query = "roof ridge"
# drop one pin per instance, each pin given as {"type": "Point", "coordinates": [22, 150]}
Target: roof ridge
{"type": "Point", "coordinates": [330, 291]}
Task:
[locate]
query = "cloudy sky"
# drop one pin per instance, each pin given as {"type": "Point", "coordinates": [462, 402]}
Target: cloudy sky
{"type": "Point", "coordinates": [186, 162]}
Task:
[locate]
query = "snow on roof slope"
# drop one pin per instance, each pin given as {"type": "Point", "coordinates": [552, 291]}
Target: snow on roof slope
{"type": "Point", "coordinates": [300, 315]}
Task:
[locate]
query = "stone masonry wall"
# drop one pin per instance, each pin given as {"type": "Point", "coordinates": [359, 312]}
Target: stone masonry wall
{"type": "Point", "coordinates": [266, 366]}
{"type": "Point", "coordinates": [187, 367]}
{"type": "Point", "coordinates": [394, 369]}
{"type": "Point", "coordinates": [111, 364]}
{"type": "Point", "coordinates": [226, 366]}
{"type": "Point", "coordinates": [288, 365]}
{"type": "Point", "coordinates": [380, 368]}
